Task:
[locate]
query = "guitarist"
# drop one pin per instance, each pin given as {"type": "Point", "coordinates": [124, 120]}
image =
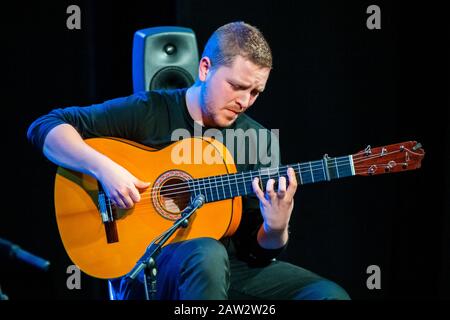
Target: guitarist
{"type": "Point", "coordinates": [233, 71]}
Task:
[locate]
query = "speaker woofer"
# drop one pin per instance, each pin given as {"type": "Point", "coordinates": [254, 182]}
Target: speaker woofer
{"type": "Point", "coordinates": [171, 78]}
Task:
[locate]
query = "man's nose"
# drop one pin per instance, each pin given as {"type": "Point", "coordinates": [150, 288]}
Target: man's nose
{"type": "Point", "coordinates": [244, 100]}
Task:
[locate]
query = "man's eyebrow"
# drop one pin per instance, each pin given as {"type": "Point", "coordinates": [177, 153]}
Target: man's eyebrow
{"type": "Point", "coordinates": [239, 83]}
{"type": "Point", "coordinates": [243, 85]}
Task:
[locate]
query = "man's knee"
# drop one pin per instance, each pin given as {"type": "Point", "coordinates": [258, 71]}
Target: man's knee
{"type": "Point", "coordinates": [205, 274]}
{"type": "Point", "coordinates": [208, 254]}
{"type": "Point", "coordinates": [322, 290]}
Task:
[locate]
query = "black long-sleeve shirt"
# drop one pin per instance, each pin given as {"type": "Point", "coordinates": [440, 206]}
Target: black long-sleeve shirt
{"type": "Point", "coordinates": [150, 118]}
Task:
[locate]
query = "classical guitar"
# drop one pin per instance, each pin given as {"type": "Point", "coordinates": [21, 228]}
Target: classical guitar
{"type": "Point", "coordinates": [106, 242]}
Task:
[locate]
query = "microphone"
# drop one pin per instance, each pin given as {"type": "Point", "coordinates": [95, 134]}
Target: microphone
{"type": "Point", "coordinates": [13, 251]}
{"type": "Point", "coordinates": [198, 201]}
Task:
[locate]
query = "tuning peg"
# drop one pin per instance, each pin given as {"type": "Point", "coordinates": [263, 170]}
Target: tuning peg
{"type": "Point", "coordinates": [417, 146]}
{"type": "Point", "coordinates": [389, 166]}
{"type": "Point", "coordinates": [368, 150]}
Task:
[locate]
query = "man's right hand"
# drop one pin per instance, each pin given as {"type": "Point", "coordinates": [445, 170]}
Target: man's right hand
{"type": "Point", "coordinates": [64, 146]}
{"type": "Point", "coordinates": [120, 185]}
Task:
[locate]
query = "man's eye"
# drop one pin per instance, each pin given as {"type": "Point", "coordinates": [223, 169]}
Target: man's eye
{"type": "Point", "coordinates": [255, 93]}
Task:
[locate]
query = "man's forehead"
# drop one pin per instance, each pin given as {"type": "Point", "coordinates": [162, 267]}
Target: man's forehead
{"type": "Point", "coordinates": [249, 76]}
{"type": "Point", "coordinates": [240, 60]}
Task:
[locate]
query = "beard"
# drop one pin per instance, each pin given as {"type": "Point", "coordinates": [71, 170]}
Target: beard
{"type": "Point", "coordinates": [209, 116]}
{"type": "Point", "coordinates": [211, 113]}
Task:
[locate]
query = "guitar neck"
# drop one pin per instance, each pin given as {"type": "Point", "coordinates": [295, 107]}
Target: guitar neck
{"type": "Point", "coordinates": [216, 188]}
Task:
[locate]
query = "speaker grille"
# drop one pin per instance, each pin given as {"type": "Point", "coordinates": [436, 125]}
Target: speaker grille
{"type": "Point", "coordinates": [172, 77]}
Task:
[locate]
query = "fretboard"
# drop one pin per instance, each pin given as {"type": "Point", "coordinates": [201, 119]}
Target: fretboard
{"type": "Point", "coordinates": [216, 188]}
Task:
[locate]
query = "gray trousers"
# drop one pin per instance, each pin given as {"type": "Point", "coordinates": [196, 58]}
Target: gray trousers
{"type": "Point", "coordinates": [202, 269]}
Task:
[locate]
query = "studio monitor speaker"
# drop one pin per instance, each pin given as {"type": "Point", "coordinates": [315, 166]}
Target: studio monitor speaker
{"type": "Point", "coordinates": [164, 58]}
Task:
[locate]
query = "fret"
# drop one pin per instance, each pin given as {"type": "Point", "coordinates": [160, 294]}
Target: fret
{"type": "Point", "coordinates": [244, 182]}
{"type": "Point", "coordinates": [308, 173]}
{"type": "Point", "coordinates": [262, 172]}
{"type": "Point", "coordinates": [337, 167]}
{"type": "Point", "coordinates": [223, 188]}
{"type": "Point", "coordinates": [220, 186]}
{"type": "Point", "coordinates": [345, 166]}
{"type": "Point", "coordinates": [300, 173]}
{"type": "Point", "coordinates": [236, 183]}
{"type": "Point", "coordinates": [274, 173]}
{"type": "Point", "coordinates": [323, 168]}
{"type": "Point", "coordinates": [196, 187]}
{"type": "Point", "coordinates": [341, 167]}
{"type": "Point", "coordinates": [332, 168]}
{"type": "Point", "coordinates": [192, 185]}
{"type": "Point", "coordinates": [229, 186]}
{"type": "Point", "coordinates": [202, 188]}
{"type": "Point", "coordinates": [216, 187]}
{"type": "Point", "coordinates": [318, 171]}
{"type": "Point", "coordinates": [311, 172]}
{"type": "Point", "coordinates": [210, 188]}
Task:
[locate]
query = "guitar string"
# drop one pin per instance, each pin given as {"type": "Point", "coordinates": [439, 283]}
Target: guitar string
{"type": "Point", "coordinates": [186, 193]}
{"type": "Point", "coordinates": [244, 176]}
{"type": "Point", "coordinates": [186, 196]}
{"type": "Point", "coordinates": [215, 184]}
{"type": "Point", "coordinates": [214, 192]}
{"type": "Point", "coordinates": [184, 186]}
{"type": "Point", "coordinates": [315, 167]}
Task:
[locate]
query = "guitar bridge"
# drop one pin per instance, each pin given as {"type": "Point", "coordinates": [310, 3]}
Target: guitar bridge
{"type": "Point", "coordinates": [107, 214]}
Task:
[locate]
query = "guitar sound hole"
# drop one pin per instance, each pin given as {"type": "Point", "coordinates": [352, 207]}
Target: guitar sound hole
{"type": "Point", "coordinates": [174, 195]}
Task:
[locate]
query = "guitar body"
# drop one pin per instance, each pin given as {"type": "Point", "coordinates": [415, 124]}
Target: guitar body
{"type": "Point", "coordinates": [77, 203]}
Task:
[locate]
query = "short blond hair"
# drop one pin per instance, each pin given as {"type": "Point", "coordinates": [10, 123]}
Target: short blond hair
{"type": "Point", "coordinates": [238, 38]}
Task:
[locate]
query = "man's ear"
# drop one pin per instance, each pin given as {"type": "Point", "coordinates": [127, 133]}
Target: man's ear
{"type": "Point", "coordinates": [204, 68]}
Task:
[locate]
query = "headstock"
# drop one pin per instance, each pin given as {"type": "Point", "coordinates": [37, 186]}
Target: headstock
{"type": "Point", "coordinates": [392, 158]}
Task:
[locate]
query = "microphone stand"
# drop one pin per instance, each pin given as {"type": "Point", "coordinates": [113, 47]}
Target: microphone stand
{"type": "Point", "coordinates": [13, 251]}
{"type": "Point", "coordinates": [148, 264]}
{"type": "Point", "coordinates": [9, 250]}
{"type": "Point", "coordinates": [3, 296]}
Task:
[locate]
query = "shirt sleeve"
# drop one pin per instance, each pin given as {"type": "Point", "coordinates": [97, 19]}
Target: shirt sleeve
{"type": "Point", "coordinates": [245, 239]}
{"type": "Point", "coordinates": [121, 118]}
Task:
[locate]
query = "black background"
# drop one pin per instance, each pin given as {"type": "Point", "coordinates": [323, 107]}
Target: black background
{"type": "Point", "coordinates": [336, 86]}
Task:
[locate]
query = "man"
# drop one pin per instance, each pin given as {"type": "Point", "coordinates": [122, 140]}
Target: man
{"type": "Point", "coordinates": [233, 71]}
